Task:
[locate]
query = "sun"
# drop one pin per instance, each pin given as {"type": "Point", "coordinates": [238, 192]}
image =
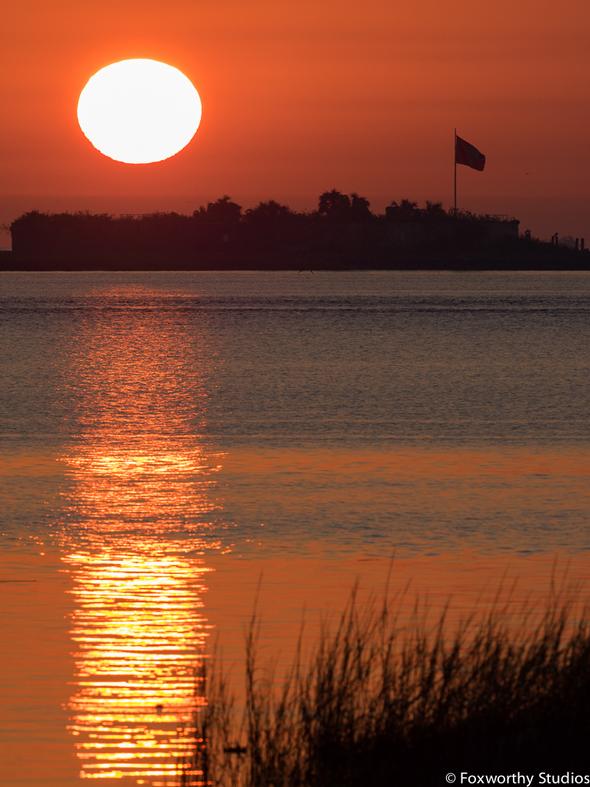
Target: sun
{"type": "Point", "coordinates": [139, 111]}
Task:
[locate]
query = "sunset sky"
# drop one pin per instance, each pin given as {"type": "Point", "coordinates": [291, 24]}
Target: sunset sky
{"type": "Point", "coordinates": [303, 96]}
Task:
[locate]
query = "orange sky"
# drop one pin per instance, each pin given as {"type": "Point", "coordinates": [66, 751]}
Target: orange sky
{"type": "Point", "coordinates": [303, 96]}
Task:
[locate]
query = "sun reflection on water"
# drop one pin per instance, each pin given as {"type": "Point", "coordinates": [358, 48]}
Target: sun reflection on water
{"type": "Point", "coordinates": [139, 633]}
{"type": "Point", "coordinates": [139, 520]}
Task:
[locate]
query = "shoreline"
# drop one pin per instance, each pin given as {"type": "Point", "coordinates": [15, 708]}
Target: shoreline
{"type": "Point", "coordinates": [425, 268]}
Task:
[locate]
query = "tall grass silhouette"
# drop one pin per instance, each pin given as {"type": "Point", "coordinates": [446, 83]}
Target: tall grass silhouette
{"type": "Point", "coordinates": [381, 701]}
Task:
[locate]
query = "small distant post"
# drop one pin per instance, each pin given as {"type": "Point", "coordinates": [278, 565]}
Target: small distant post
{"type": "Point", "coordinates": [455, 171]}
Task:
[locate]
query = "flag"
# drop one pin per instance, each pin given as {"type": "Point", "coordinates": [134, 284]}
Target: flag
{"type": "Point", "coordinates": [468, 154]}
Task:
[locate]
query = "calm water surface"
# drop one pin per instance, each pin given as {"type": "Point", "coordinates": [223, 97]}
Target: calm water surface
{"type": "Point", "coordinates": [167, 437]}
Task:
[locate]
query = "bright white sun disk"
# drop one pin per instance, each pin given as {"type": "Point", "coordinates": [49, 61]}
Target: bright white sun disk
{"type": "Point", "coordinates": [139, 111]}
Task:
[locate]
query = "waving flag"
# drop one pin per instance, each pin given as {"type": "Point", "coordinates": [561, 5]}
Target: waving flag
{"type": "Point", "coordinates": [468, 154]}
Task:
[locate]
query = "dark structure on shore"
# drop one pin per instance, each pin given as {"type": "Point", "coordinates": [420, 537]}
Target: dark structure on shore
{"type": "Point", "coordinates": [342, 233]}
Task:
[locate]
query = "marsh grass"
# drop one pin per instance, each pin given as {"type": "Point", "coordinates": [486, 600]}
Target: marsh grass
{"type": "Point", "coordinates": [381, 702]}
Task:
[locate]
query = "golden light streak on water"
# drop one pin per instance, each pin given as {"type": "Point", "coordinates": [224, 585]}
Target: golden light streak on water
{"type": "Point", "coordinates": [138, 625]}
{"type": "Point", "coordinates": [137, 525]}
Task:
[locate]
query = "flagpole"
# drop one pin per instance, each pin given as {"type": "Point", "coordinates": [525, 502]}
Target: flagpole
{"type": "Point", "coordinates": [455, 171]}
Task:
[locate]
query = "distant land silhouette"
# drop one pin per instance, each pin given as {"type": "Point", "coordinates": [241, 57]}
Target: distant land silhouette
{"type": "Point", "coordinates": [342, 233]}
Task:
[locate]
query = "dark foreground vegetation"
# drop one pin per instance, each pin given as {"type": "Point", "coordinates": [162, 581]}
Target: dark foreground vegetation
{"type": "Point", "coordinates": [342, 233]}
{"type": "Point", "coordinates": [383, 704]}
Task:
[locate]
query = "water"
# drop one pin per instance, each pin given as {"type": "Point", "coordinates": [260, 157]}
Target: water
{"type": "Point", "coordinates": [167, 436]}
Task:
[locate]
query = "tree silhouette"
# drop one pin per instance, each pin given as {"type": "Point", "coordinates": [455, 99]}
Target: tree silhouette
{"type": "Point", "coordinates": [223, 211]}
{"type": "Point", "coordinates": [267, 213]}
{"type": "Point", "coordinates": [334, 205]}
{"type": "Point", "coordinates": [360, 209]}
{"type": "Point", "coordinates": [405, 210]}
{"type": "Point", "coordinates": [435, 210]}
{"type": "Point", "coordinates": [343, 232]}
